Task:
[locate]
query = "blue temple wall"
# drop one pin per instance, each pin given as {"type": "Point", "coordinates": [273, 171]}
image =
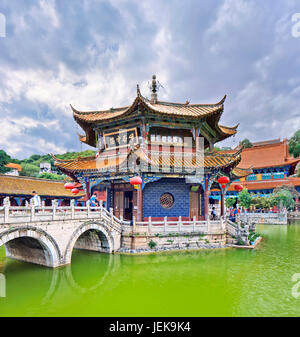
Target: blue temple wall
{"type": "Point", "coordinates": [153, 191]}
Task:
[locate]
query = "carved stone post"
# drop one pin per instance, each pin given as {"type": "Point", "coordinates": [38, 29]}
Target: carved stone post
{"type": "Point", "coordinates": [32, 212]}
{"type": "Point", "coordinates": [72, 203]}
{"type": "Point", "coordinates": [180, 223]}
{"type": "Point", "coordinates": [88, 205]}
{"type": "Point", "coordinates": [54, 205]}
{"type": "Point", "coordinates": [165, 224]}
{"type": "Point", "coordinates": [150, 225]}
{"type": "Point", "coordinates": [111, 211]}
{"type": "Point", "coordinates": [101, 208]}
{"type": "Point", "coordinates": [6, 204]}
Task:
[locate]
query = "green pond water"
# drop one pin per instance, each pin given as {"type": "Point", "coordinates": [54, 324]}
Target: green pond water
{"type": "Point", "coordinates": [227, 282]}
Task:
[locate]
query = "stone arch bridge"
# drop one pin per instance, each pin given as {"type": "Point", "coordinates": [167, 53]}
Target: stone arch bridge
{"type": "Point", "coordinates": [47, 235]}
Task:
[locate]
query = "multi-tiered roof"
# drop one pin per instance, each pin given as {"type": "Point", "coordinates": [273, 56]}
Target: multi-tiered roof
{"type": "Point", "coordinates": [205, 117]}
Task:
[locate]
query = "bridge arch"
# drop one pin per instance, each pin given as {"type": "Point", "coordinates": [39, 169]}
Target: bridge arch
{"type": "Point", "coordinates": [32, 245]}
{"type": "Point", "coordinates": [90, 236]}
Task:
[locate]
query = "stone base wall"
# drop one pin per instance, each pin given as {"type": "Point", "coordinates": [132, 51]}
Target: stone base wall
{"type": "Point", "coordinates": [176, 240]}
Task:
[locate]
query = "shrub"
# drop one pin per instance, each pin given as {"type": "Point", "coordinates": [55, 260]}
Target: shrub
{"type": "Point", "coordinates": [240, 242]}
{"type": "Point", "coordinates": [152, 244]}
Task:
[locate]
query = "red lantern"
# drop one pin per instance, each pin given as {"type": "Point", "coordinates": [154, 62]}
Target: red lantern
{"type": "Point", "coordinates": [223, 180]}
{"type": "Point", "coordinates": [136, 181]}
{"type": "Point", "coordinates": [75, 190]}
{"type": "Point", "coordinates": [69, 186]}
{"type": "Point", "coordinates": [77, 185]}
{"type": "Point", "coordinates": [238, 187]}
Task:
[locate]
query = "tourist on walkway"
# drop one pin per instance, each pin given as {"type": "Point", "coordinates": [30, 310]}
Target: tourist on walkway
{"type": "Point", "coordinates": [36, 200]}
{"type": "Point", "coordinates": [93, 201]}
{"type": "Point", "coordinates": [213, 214]}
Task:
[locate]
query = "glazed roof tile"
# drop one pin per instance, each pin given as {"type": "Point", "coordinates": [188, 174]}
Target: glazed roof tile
{"type": "Point", "coordinates": [105, 161]}
{"type": "Point", "coordinates": [167, 108]}
{"type": "Point", "coordinates": [266, 154]}
{"type": "Point", "coordinates": [16, 185]}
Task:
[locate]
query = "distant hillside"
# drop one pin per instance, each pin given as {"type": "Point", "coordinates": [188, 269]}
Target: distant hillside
{"type": "Point", "coordinates": [31, 166]}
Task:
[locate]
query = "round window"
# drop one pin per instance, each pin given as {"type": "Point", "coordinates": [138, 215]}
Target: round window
{"type": "Point", "coordinates": [167, 200]}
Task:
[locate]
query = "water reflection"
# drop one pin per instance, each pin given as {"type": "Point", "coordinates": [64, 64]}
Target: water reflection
{"type": "Point", "coordinates": [93, 275]}
{"type": "Point", "coordinates": [226, 282]}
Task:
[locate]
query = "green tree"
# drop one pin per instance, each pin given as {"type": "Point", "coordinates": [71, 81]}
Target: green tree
{"type": "Point", "coordinates": [284, 198]}
{"type": "Point", "coordinates": [294, 144]}
{"type": "Point", "coordinates": [246, 143]}
{"type": "Point", "coordinates": [29, 170]}
{"type": "Point", "coordinates": [53, 176]}
{"type": "Point", "coordinates": [4, 159]}
{"type": "Point", "coordinates": [229, 202]}
{"type": "Point", "coordinates": [244, 198]}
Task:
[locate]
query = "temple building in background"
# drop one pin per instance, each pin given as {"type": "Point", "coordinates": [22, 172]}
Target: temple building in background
{"type": "Point", "coordinates": [272, 167]}
{"type": "Point", "coordinates": [168, 146]}
{"type": "Point", "coordinates": [14, 169]}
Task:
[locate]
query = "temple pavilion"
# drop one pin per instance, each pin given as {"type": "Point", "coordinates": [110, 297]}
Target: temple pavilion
{"type": "Point", "coordinates": [169, 146]}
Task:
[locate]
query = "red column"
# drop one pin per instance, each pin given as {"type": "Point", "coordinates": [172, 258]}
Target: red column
{"type": "Point", "coordinates": [222, 201]}
{"type": "Point", "coordinates": [139, 204]}
{"type": "Point", "coordinates": [206, 199]}
{"type": "Point", "coordinates": [88, 190]}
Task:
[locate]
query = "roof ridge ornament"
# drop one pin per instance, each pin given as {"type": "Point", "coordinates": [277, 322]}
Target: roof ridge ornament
{"type": "Point", "coordinates": [138, 92]}
{"type": "Point", "coordinates": [154, 90]}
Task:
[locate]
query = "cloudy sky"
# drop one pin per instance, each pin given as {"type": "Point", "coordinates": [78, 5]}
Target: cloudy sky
{"type": "Point", "coordinates": [92, 53]}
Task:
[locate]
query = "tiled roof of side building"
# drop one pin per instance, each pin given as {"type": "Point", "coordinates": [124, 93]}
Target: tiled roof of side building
{"type": "Point", "coordinates": [16, 185]}
{"type": "Point", "coordinates": [14, 166]}
{"type": "Point", "coordinates": [211, 160]}
{"type": "Point", "coordinates": [266, 154]}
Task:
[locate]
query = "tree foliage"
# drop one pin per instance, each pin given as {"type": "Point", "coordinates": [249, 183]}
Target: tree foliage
{"type": "Point", "coordinates": [262, 202]}
{"type": "Point", "coordinates": [29, 170]}
{"type": "Point", "coordinates": [52, 176]}
{"type": "Point", "coordinates": [244, 198]}
{"type": "Point", "coordinates": [284, 198]}
{"type": "Point", "coordinates": [246, 143]}
{"type": "Point", "coordinates": [31, 166]}
{"type": "Point", "coordinates": [294, 144]}
{"type": "Point", "coordinates": [229, 202]}
{"type": "Point", "coordinates": [4, 159]}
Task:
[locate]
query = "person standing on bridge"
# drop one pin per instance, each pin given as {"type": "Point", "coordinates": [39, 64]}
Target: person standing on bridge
{"type": "Point", "coordinates": [36, 200]}
{"type": "Point", "coordinates": [93, 201]}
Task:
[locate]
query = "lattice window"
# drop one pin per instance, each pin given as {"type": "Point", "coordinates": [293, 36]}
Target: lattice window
{"type": "Point", "coordinates": [167, 200]}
